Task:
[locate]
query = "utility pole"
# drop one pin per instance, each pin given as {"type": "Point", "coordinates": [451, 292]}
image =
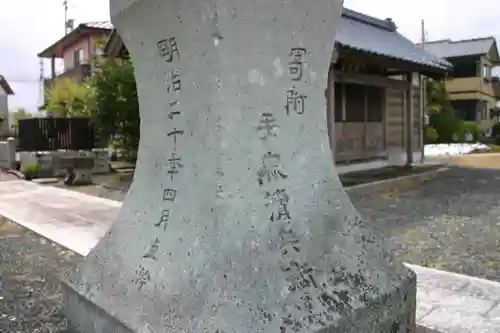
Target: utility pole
{"type": "Point", "coordinates": [65, 4]}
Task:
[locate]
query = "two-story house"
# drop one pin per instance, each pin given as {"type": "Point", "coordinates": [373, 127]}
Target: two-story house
{"type": "Point", "coordinates": [78, 49]}
{"type": "Point", "coordinates": [5, 92]}
{"type": "Point", "coordinates": [472, 88]}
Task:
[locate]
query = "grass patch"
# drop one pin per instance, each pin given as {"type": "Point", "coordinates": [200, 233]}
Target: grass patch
{"type": "Point", "coordinates": [390, 172]}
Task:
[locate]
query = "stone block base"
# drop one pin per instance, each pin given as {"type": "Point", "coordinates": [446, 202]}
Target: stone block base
{"type": "Point", "coordinates": [84, 316]}
{"type": "Point", "coordinates": [78, 177]}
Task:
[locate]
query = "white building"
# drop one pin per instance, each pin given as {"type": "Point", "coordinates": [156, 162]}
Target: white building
{"type": "Point", "coordinates": [5, 91]}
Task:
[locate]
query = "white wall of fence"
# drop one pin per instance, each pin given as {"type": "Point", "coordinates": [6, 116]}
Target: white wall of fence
{"type": "Point", "coordinates": [8, 153]}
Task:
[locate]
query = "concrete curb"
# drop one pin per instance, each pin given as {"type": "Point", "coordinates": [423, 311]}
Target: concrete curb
{"type": "Point", "coordinates": [394, 182]}
{"type": "Point", "coordinates": [113, 188]}
{"type": "Point", "coordinates": [16, 173]}
{"type": "Point", "coordinates": [380, 183]}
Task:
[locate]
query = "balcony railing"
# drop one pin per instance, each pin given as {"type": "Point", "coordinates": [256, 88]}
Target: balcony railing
{"type": "Point", "coordinates": [78, 74]}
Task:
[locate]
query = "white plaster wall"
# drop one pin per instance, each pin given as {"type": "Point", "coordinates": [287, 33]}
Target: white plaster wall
{"type": "Point", "coordinates": [7, 154]}
{"type": "Point", "coordinates": [4, 111]}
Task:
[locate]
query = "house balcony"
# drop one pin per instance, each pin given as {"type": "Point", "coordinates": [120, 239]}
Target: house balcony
{"type": "Point", "coordinates": [78, 74]}
{"type": "Point", "coordinates": [472, 88]}
{"type": "Point", "coordinates": [463, 84]}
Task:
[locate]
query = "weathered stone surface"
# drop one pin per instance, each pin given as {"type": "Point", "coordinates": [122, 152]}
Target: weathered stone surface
{"type": "Point", "coordinates": [236, 220]}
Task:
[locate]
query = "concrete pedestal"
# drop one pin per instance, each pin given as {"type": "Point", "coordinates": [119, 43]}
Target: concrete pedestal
{"type": "Point", "coordinates": [236, 220]}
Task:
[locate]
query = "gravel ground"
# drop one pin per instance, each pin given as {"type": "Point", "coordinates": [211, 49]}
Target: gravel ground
{"type": "Point", "coordinates": [451, 222]}
{"type": "Point", "coordinates": [31, 298]}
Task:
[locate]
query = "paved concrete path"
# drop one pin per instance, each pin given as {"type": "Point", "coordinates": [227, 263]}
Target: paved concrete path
{"type": "Point", "coordinates": [448, 302]}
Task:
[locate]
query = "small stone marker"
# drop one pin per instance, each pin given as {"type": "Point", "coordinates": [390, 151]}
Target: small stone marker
{"type": "Point", "coordinates": [236, 221]}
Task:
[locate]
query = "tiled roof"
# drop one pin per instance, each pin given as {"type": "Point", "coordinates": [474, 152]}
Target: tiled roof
{"type": "Point", "coordinates": [98, 25]}
{"type": "Point", "coordinates": [448, 48]}
{"type": "Point", "coordinates": [5, 86]}
{"type": "Point", "coordinates": [368, 34]}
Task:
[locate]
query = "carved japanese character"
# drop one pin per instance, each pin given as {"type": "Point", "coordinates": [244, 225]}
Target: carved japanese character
{"type": "Point", "coordinates": [173, 80]}
{"type": "Point", "coordinates": [267, 125]}
{"type": "Point", "coordinates": [169, 194]}
{"type": "Point", "coordinates": [167, 48]}
{"type": "Point", "coordinates": [142, 277]}
{"type": "Point", "coordinates": [294, 102]}
{"type": "Point", "coordinates": [279, 202]}
{"type": "Point", "coordinates": [153, 248]}
{"type": "Point", "coordinates": [270, 168]}
{"type": "Point", "coordinates": [165, 216]}
{"type": "Point", "coordinates": [174, 134]}
{"type": "Point", "coordinates": [174, 165]}
{"type": "Point", "coordinates": [296, 65]}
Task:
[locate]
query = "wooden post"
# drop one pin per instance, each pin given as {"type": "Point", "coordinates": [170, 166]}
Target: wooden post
{"type": "Point", "coordinates": [409, 120]}
{"type": "Point", "coordinates": [330, 102]}
{"type": "Point", "coordinates": [53, 66]}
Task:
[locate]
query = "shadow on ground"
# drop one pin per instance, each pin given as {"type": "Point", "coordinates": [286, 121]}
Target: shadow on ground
{"type": "Point", "coordinates": [451, 222]}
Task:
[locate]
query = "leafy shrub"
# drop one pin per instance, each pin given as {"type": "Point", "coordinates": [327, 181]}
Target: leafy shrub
{"type": "Point", "coordinates": [495, 130]}
{"type": "Point", "coordinates": [471, 127]}
{"type": "Point", "coordinates": [30, 167]}
{"type": "Point", "coordinates": [447, 125]}
{"type": "Point", "coordinates": [431, 135]}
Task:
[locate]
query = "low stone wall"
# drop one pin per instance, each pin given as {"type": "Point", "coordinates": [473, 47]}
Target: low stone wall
{"type": "Point", "coordinates": [50, 161]}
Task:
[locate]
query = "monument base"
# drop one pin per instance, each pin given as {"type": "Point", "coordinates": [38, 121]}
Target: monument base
{"type": "Point", "coordinates": [84, 316]}
{"type": "Point", "coordinates": [393, 312]}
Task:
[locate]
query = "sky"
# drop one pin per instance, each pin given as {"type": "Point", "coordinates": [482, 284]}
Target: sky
{"type": "Point", "coordinates": [24, 32]}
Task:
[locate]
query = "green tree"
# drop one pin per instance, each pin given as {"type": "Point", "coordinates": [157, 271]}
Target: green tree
{"type": "Point", "coordinates": [19, 114]}
{"type": "Point", "coordinates": [66, 98]}
{"type": "Point", "coordinates": [115, 106]}
{"type": "Point", "coordinates": [442, 117]}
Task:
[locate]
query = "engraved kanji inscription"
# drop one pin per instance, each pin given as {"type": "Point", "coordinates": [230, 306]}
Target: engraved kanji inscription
{"type": "Point", "coordinates": [169, 194]}
{"type": "Point", "coordinates": [153, 248]}
{"type": "Point", "coordinates": [142, 277]}
{"type": "Point", "coordinates": [174, 165]}
{"type": "Point", "coordinates": [270, 169]}
{"type": "Point", "coordinates": [173, 80]}
{"type": "Point", "coordinates": [175, 112]}
{"type": "Point", "coordinates": [168, 49]}
{"type": "Point", "coordinates": [296, 65]}
{"type": "Point", "coordinates": [267, 125]}
{"type": "Point", "coordinates": [278, 201]}
{"type": "Point", "coordinates": [174, 134]}
{"type": "Point", "coordinates": [163, 221]}
{"type": "Point", "coordinates": [294, 102]}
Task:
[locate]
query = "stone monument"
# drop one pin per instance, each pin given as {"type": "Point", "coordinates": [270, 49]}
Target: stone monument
{"type": "Point", "coordinates": [236, 220]}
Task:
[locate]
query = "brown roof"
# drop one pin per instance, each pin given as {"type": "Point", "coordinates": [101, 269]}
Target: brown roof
{"type": "Point", "coordinates": [5, 86]}
{"type": "Point", "coordinates": [84, 29]}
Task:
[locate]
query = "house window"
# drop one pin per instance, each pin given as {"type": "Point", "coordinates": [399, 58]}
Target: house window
{"type": "Point", "coordinates": [486, 72]}
{"type": "Point", "coordinates": [78, 57]}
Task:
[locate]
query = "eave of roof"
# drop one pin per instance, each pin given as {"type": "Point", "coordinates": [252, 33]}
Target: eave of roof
{"type": "Point", "coordinates": [380, 37]}
{"type": "Point", "coordinates": [447, 48]}
{"type": "Point", "coordinates": [5, 86]}
{"type": "Point", "coordinates": [56, 49]}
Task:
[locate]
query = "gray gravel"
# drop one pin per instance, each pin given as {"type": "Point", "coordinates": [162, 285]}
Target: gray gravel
{"type": "Point", "coordinates": [451, 222]}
